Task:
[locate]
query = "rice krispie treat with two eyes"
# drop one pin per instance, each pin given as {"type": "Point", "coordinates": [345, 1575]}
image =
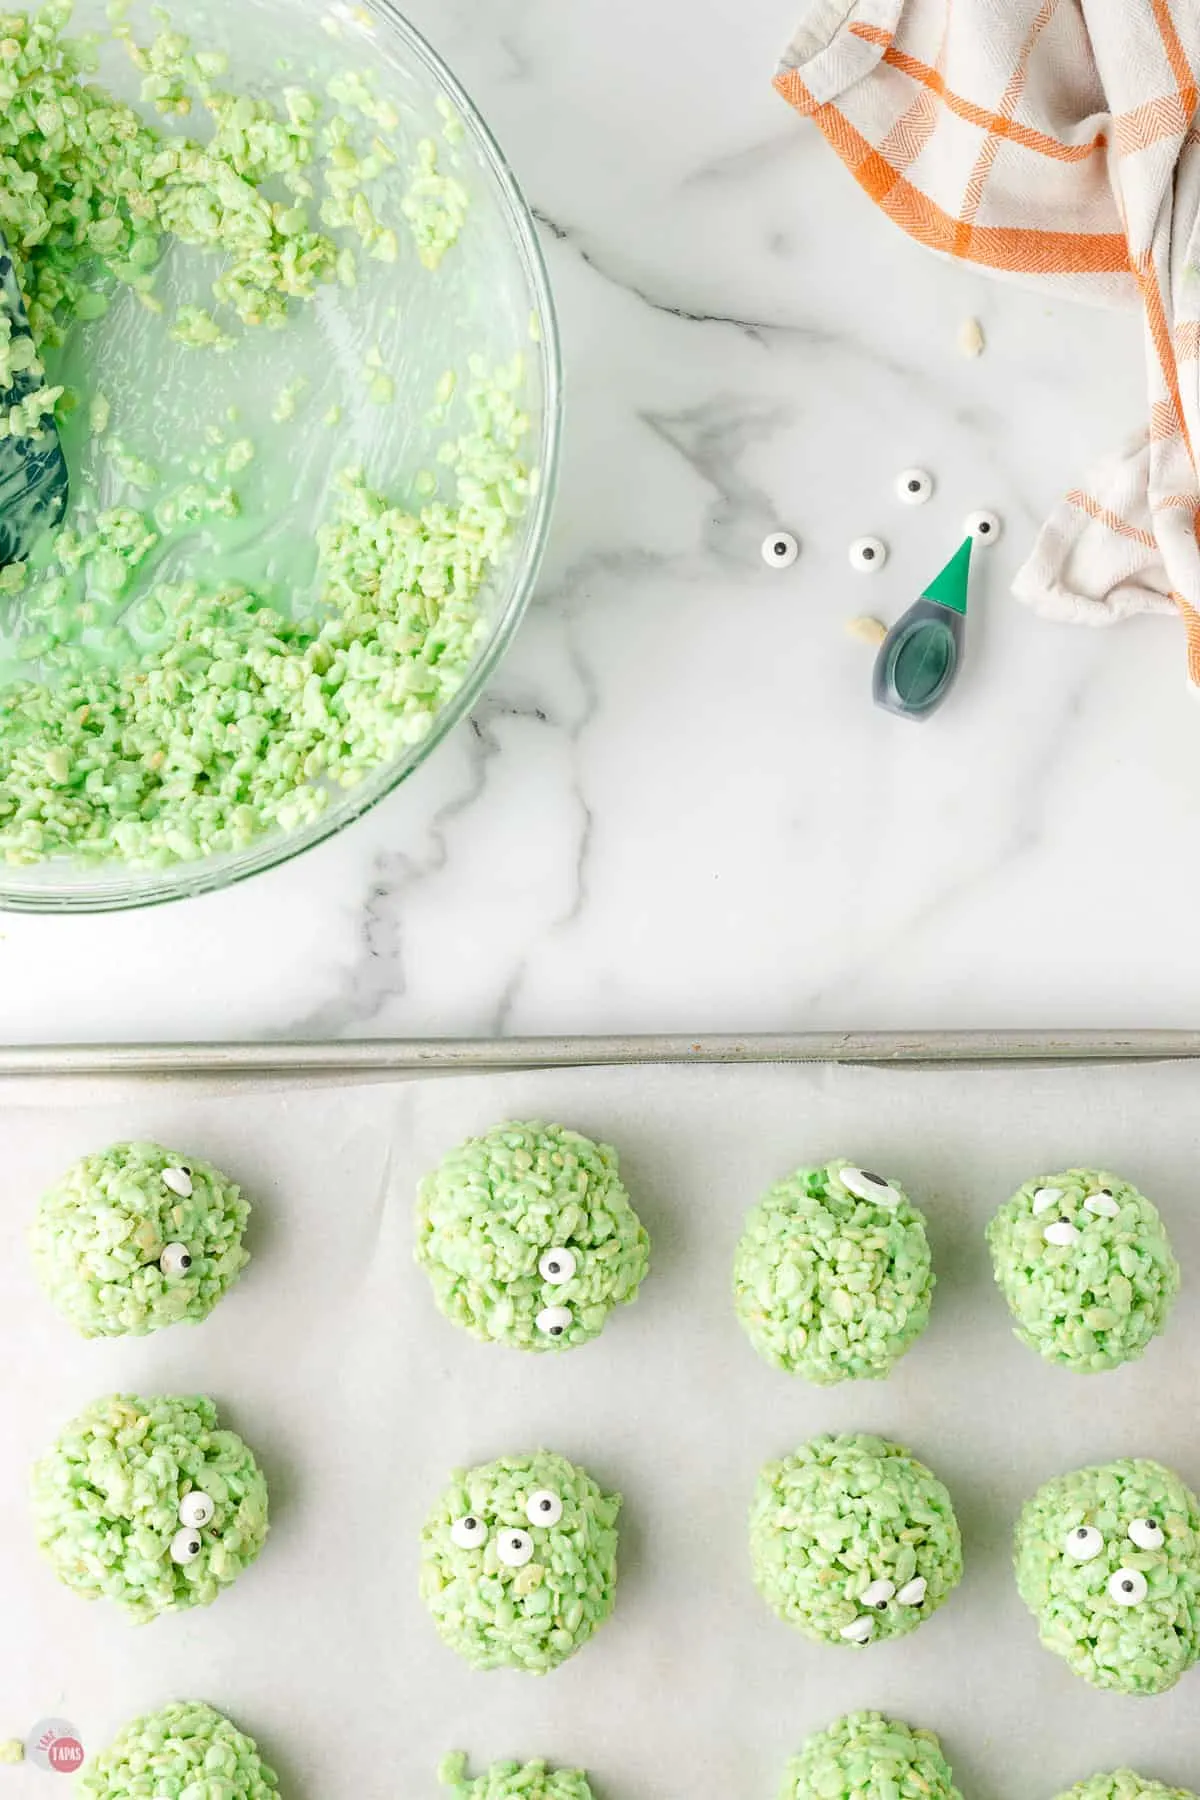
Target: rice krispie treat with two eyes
{"type": "Point", "coordinates": [865, 1756]}
{"type": "Point", "coordinates": [519, 1562]}
{"type": "Point", "coordinates": [529, 1237]}
{"type": "Point", "coordinates": [149, 1503]}
{"type": "Point", "coordinates": [136, 1237]}
{"type": "Point", "coordinates": [188, 1748]}
{"type": "Point", "coordinates": [852, 1540]}
{"type": "Point", "coordinates": [1084, 1261]}
{"type": "Point", "coordinates": [833, 1279]}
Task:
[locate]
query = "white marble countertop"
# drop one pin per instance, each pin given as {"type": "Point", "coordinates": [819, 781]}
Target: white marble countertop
{"type": "Point", "coordinates": [676, 807]}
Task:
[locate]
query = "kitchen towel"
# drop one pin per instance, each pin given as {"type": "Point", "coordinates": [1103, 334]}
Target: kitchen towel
{"type": "Point", "coordinates": [1056, 142]}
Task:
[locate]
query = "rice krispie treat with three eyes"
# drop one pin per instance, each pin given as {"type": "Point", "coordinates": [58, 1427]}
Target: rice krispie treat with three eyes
{"type": "Point", "coordinates": [1084, 1262]}
{"type": "Point", "coordinates": [519, 1562]}
{"type": "Point", "coordinates": [529, 1238]}
{"type": "Point", "coordinates": [853, 1540]}
{"type": "Point", "coordinates": [137, 1237]}
{"type": "Point", "coordinates": [867, 1757]}
{"type": "Point", "coordinates": [833, 1279]}
{"type": "Point", "coordinates": [149, 1503]}
{"type": "Point", "coordinates": [187, 1748]}
{"type": "Point", "coordinates": [1108, 1562]}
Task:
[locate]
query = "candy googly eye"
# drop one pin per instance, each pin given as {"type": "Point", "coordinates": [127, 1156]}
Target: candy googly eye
{"type": "Point", "coordinates": [780, 550]}
{"type": "Point", "coordinates": [984, 527]}
{"type": "Point", "coordinates": [914, 486]}
{"type": "Point", "coordinates": [1044, 1199]}
{"type": "Point", "coordinates": [868, 554]}
{"type": "Point", "coordinates": [543, 1508]}
{"type": "Point", "coordinates": [469, 1532]}
{"type": "Point", "coordinates": [1062, 1232]}
{"type": "Point", "coordinates": [913, 1592]}
{"type": "Point", "coordinates": [196, 1509]}
{"type": "Point", "coordinates": [1147, 1534]}
{"type": "Point", "coordinates": [865, 1185]}
{"type": "Point", "coordinates": [176, 1259]}
{"type": "Point", "coordinates": [179, 1181]}
{"type": "Point", "coordinates": [1128, 1587]}
{"type": "Point", "coordinates": [878, 1594]}
{"type": "Point", "coordinates": [858, 1631]}
{"type": "Point", "coordinates": [515, 1549]}
{"type": "Point", "coordinates": [1101, 1204]}
{"type": "Point", "coordinates": [554, 1321]}
{"type": "Point", "coordinates": [185, 1546]}
{"type": "Point", "coordinates": [1083, 1543]}
{"type": "Point", "coordinates": [558, 1267]}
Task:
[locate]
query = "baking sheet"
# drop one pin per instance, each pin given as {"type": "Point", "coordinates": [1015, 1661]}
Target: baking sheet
{"type": "Point", "coordinates": [358, 1399]}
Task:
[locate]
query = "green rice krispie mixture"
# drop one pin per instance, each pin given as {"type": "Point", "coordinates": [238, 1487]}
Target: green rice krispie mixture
{"type": "Point", "coordinates": [149, 1503]}
{"type": "Point", "coordinates": [519, 1562]}
{"type": "Point", "coordinates": [1124, 1784]}
{"type": "Point", "coordinates": [512, 1781]}
{"type": "Point", "coordinates": [832, 1278]}
{"type": "Point", "coordinates": [137, 1237]}
{"type": "Point", "coordinates": [867, 1757]}
{"type": "Point", "coordinates": [187, 1750]}
{"type": "Point", "coordinates": [1108, 1561]}
{"type": "Point", "coordinates": [529, 1238]}
{"type": "Point", "coordinates": [1084, 1262]}
{"type": "Point", "coordinates": [147, 719]}
{"type": "Point", "coordinates": [853, 1541]}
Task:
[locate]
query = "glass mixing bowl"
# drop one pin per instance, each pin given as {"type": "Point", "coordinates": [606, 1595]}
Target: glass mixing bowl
{"type": "Point", "coordinates": [489, 299]}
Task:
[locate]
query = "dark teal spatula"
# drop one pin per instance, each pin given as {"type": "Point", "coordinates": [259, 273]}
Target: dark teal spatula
{"type": "Point", "coordinates": [34, 485]}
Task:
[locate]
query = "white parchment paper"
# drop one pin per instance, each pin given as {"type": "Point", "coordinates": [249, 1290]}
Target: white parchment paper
{"type": "Point", "coordinates": [358, 1398]}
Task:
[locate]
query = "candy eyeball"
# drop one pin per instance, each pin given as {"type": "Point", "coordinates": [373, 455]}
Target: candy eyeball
{"type": "Point", "coordinates": [1147, 1534]}
{"type": "Point", "coordinates": [867, 1186]}
{"type": "Point", "coordinates": [1044, 1199]}
{"type": "Point", "coordinates": [878, 1593]}
{"type": "Point", "coordinates": [914, 487]}
{"type": "Point", "coordinates": [780, 550]}
{"type": "Point", "coordinates": [558, 1267]}
{"type": "Point", "coordinates": [1061, 1233]}
{"type": "Point", "coordinates": [186, 1546]}
{"type": "Point", "coordinates": [515, 1549]}
{"type": "Point", "coordinates": [1101, 1205]}
{"type": "Point", "coordinates": [554, 1321]}
{"type": "Point", "coordinates": [858, 1631]}
{"type": "Point", "coordinates": [1083, 1543]}
{"type": "Point", "coordinates": [469, 1533]}
{"type": "Point", "coordinates": [196, 1510]}
{"type": "Point", "coordinates": [176, 1259]}
{"type": "Point", "coordinates": [913, 1592]}
{"type": "Point", "coordinates": [868, 554]}
{"type": "Point", "coordinates": [984, 527]}
{"type": "Point", "coordinates": [1128, 1587]}
{"type": "Point", "coordinates": [179, 1181]}
{"type": "Point", "coordinates": [543, 1508]}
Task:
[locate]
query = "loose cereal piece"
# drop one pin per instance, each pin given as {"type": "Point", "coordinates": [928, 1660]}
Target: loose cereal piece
{"type": "Point", "coordinates": [867, 630]}
{"type": "Point", "coordinates": [971, 340]}
{"type": "Point", "coordinates": [519, 1562]}
{"type": "Point", "coordinates": [529, 1238]}
{"type": "Point", "coordinates": [853, 1541]}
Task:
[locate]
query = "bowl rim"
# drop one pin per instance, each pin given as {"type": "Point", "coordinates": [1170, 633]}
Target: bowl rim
{"type": "Point", "coordinates": [142, 889]}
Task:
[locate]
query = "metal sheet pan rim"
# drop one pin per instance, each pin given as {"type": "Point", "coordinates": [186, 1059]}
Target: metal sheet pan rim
{"type": "Point", "coordinates": [406, 1056]}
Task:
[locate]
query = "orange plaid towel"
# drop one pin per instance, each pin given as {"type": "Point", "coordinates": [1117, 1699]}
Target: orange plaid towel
{"type": "Point", "coordinates": [1057, 141]}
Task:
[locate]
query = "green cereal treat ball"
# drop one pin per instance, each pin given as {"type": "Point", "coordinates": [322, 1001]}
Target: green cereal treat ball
{"type": "Point", "coordinates": [867, 1757]}
{"type": "Point", "coordinates": [138, 1237]}
{"type": "Point", "coordinates": [832, 1278]}
{"type": "Point", "coordinates": [188, 1750]}
{"type": "Point", "coordinates": [512, 1781]}
{"type": "Point", "coordinates": [528, 1237]}
{"type": "Point", "coordinates": [852, 1540]}
{"type": "Point", "coordinates": [1083, 1260]}
{"type": "Point", "coordinates": [1108, 1562]}
{"type": "Point", "coordinates": [149, 1503]}
{"type": "Point", "coordinates": [1124, 1784]}
{"type": "Point", "coordinates": [519, 1562]}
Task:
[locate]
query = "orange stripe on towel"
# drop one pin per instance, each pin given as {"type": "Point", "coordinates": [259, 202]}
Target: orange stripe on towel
{"type": "Point", "coordinates": [1114, 522]}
